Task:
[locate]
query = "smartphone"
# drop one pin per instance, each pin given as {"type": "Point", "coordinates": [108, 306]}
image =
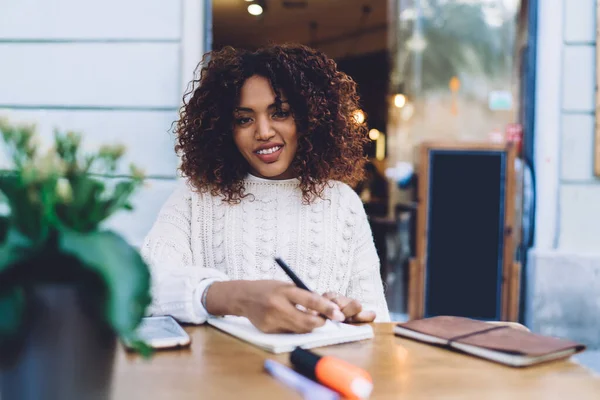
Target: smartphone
{"type": "Point", "coordinates": [161, 333]}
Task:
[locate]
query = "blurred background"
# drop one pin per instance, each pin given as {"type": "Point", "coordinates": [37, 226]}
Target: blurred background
{"type": "Point", "coordinates": [488, 71]}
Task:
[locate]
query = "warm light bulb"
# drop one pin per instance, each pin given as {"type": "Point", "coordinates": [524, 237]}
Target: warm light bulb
{"type": "Point", "coordinates": [399, 100]}
{"type": "Point", "coordinates": [255, 9]}
{"type": "Point", "coordinates": [359, 116]}
{"type": "Point", "coordinates": [373, 134]}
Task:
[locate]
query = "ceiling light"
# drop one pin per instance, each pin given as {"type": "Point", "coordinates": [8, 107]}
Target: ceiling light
{"type": "Point", "coordinates": [255, 9]}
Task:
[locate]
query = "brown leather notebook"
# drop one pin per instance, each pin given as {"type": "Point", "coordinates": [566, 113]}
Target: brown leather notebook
{"type": "Point", "coordinates": [501, 343]}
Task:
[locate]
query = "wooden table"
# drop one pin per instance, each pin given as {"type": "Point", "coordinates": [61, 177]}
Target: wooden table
{"type": "Point", "coordinates": [218, 366]}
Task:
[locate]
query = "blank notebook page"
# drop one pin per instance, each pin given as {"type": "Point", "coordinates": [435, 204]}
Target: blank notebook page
{"type": "Point", "coordinates": [329, 334]}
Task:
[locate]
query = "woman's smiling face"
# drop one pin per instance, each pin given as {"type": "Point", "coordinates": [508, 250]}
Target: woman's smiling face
{"type": "Point", "coordinates": [265, 136]}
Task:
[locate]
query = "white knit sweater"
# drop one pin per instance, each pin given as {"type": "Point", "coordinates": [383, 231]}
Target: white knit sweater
{"type": "Point", "coordinates": [198, 238]}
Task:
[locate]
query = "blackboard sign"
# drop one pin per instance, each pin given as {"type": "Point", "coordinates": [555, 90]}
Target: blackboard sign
{"type": "Point", "coordinates": [464, 245]}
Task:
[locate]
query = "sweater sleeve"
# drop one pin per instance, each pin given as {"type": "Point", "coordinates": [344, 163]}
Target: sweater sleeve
{"type": "Point", "coordinates": [178, 275]}
{"type": "Point", "coordinates": [366, 284]}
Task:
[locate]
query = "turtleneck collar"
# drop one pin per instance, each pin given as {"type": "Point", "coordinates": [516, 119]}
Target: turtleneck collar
{"type": "Point", "coordinates": [256, 179]}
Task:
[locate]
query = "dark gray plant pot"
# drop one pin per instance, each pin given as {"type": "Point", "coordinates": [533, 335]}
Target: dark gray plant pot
{"type": "Point", "coordinates": [68, 354]}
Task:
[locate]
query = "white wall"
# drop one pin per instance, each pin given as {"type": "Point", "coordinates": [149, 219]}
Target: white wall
{"type": "Point", "coordinates": [114, 70]}
{"type": "Point", "coordinates": [568, 193]}
{"type": "Point", "coordinates": [564, 268]}
{"type": "Point", "coordinates": [579, 189]}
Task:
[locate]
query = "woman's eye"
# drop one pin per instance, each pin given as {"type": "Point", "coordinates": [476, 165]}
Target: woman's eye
{"type": "Point", "coordinates": [281, 114]}
{"type": "Point", "coordinates": [242, 120]}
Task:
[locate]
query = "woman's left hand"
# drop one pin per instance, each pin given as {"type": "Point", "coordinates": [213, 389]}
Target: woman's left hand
{"type": "Point", "coordinates": [351, 308]}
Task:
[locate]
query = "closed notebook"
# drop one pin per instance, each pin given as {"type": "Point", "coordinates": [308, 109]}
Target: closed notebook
{"type": "Point", "coordinates": [329, 334]}
{"type": "Point", "coordinates": [499, 343]}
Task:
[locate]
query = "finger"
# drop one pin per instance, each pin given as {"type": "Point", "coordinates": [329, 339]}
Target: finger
{"type": "Point", "coordinates": [298, 321]}
{"type": "Point", "coordinates": [301, 308]}
{"type": "Point", "coordinates": [337, 298]}
{"type": "Point", "coordinates": [364, 316]}
{"type": "Point", "coordinates": [313, 301]}
{"type": "Point", "coordinates": [352, 308]}
{"type": "Point", "coordinates": [331, 296]}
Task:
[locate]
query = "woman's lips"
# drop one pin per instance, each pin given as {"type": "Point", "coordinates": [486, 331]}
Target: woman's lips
{"type": "Point", "coordinates": [270, 157]}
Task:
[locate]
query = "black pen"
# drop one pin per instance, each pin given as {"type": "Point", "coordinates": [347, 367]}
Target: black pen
{"type": "Point", "coordinates": [297, 281]}
{"type": "Point", "coordinates": [291, 274]}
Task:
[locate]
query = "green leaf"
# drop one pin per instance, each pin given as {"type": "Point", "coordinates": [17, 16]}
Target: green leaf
{"type": "Point", "coordinates": [123, 270]}
{"type": "Point", "coordinates": [119, 199]}
{"type": "Point", "coordinates": [16, 249]}
{"type": "Point", "coordinates": [81, 214]}
{"type": "Point", "coordinates": [26, 216]}
{"type": "Point", "coordinates": [143, 348]}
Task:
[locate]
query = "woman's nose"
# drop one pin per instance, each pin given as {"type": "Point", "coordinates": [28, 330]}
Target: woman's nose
{"type": "Point", "coordinates": [264, 129]}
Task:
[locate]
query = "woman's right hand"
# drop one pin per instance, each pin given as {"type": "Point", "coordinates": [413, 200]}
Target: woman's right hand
{"type": "Point", "coordinates": [271, 305]}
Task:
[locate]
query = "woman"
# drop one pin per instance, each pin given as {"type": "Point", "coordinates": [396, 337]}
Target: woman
{"type": "Point", "coordinates": [266, 139]}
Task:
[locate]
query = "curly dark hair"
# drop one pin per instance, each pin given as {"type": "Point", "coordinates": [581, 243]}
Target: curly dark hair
{"type": "Point", "coordinates": [322, 100]}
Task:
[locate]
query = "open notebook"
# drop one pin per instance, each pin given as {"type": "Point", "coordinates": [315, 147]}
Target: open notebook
{"type": "Point", "coordinates": [499, 343]}
{"type": "Point", "coordinates": [328, 334]}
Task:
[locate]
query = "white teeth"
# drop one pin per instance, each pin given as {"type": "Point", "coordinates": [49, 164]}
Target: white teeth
{"type": "Point", "coordinates": [268, 151]}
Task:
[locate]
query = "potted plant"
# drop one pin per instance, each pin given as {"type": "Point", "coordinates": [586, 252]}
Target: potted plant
{"type": "Point", "coordinates": [68, 287]}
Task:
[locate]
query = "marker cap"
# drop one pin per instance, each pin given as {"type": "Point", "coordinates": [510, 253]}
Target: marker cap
{"type": "Point", "coordinates": [305, 362]}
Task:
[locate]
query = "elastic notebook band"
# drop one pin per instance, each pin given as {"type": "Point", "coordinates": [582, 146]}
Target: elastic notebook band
{"type": "Point", "coordinates": [494, 328]}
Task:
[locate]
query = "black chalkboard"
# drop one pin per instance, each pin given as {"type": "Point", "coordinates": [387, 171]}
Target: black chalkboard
{"type": "Point", "coordinates": [465, 225]}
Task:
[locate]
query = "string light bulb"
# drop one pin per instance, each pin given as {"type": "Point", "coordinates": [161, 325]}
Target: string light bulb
{"type": "Point", "coordinates": [359, 116]}
{"type": "Point", "coordinates": [255, 9]}
{"type": "Point", "coordinates": [399, 100]}
{"type": "Point", "coordinates": [374, 134]}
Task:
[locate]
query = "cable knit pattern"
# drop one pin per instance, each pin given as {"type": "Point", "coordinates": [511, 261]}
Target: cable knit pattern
{"type": "Point", "coordinates": [198, 237]}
